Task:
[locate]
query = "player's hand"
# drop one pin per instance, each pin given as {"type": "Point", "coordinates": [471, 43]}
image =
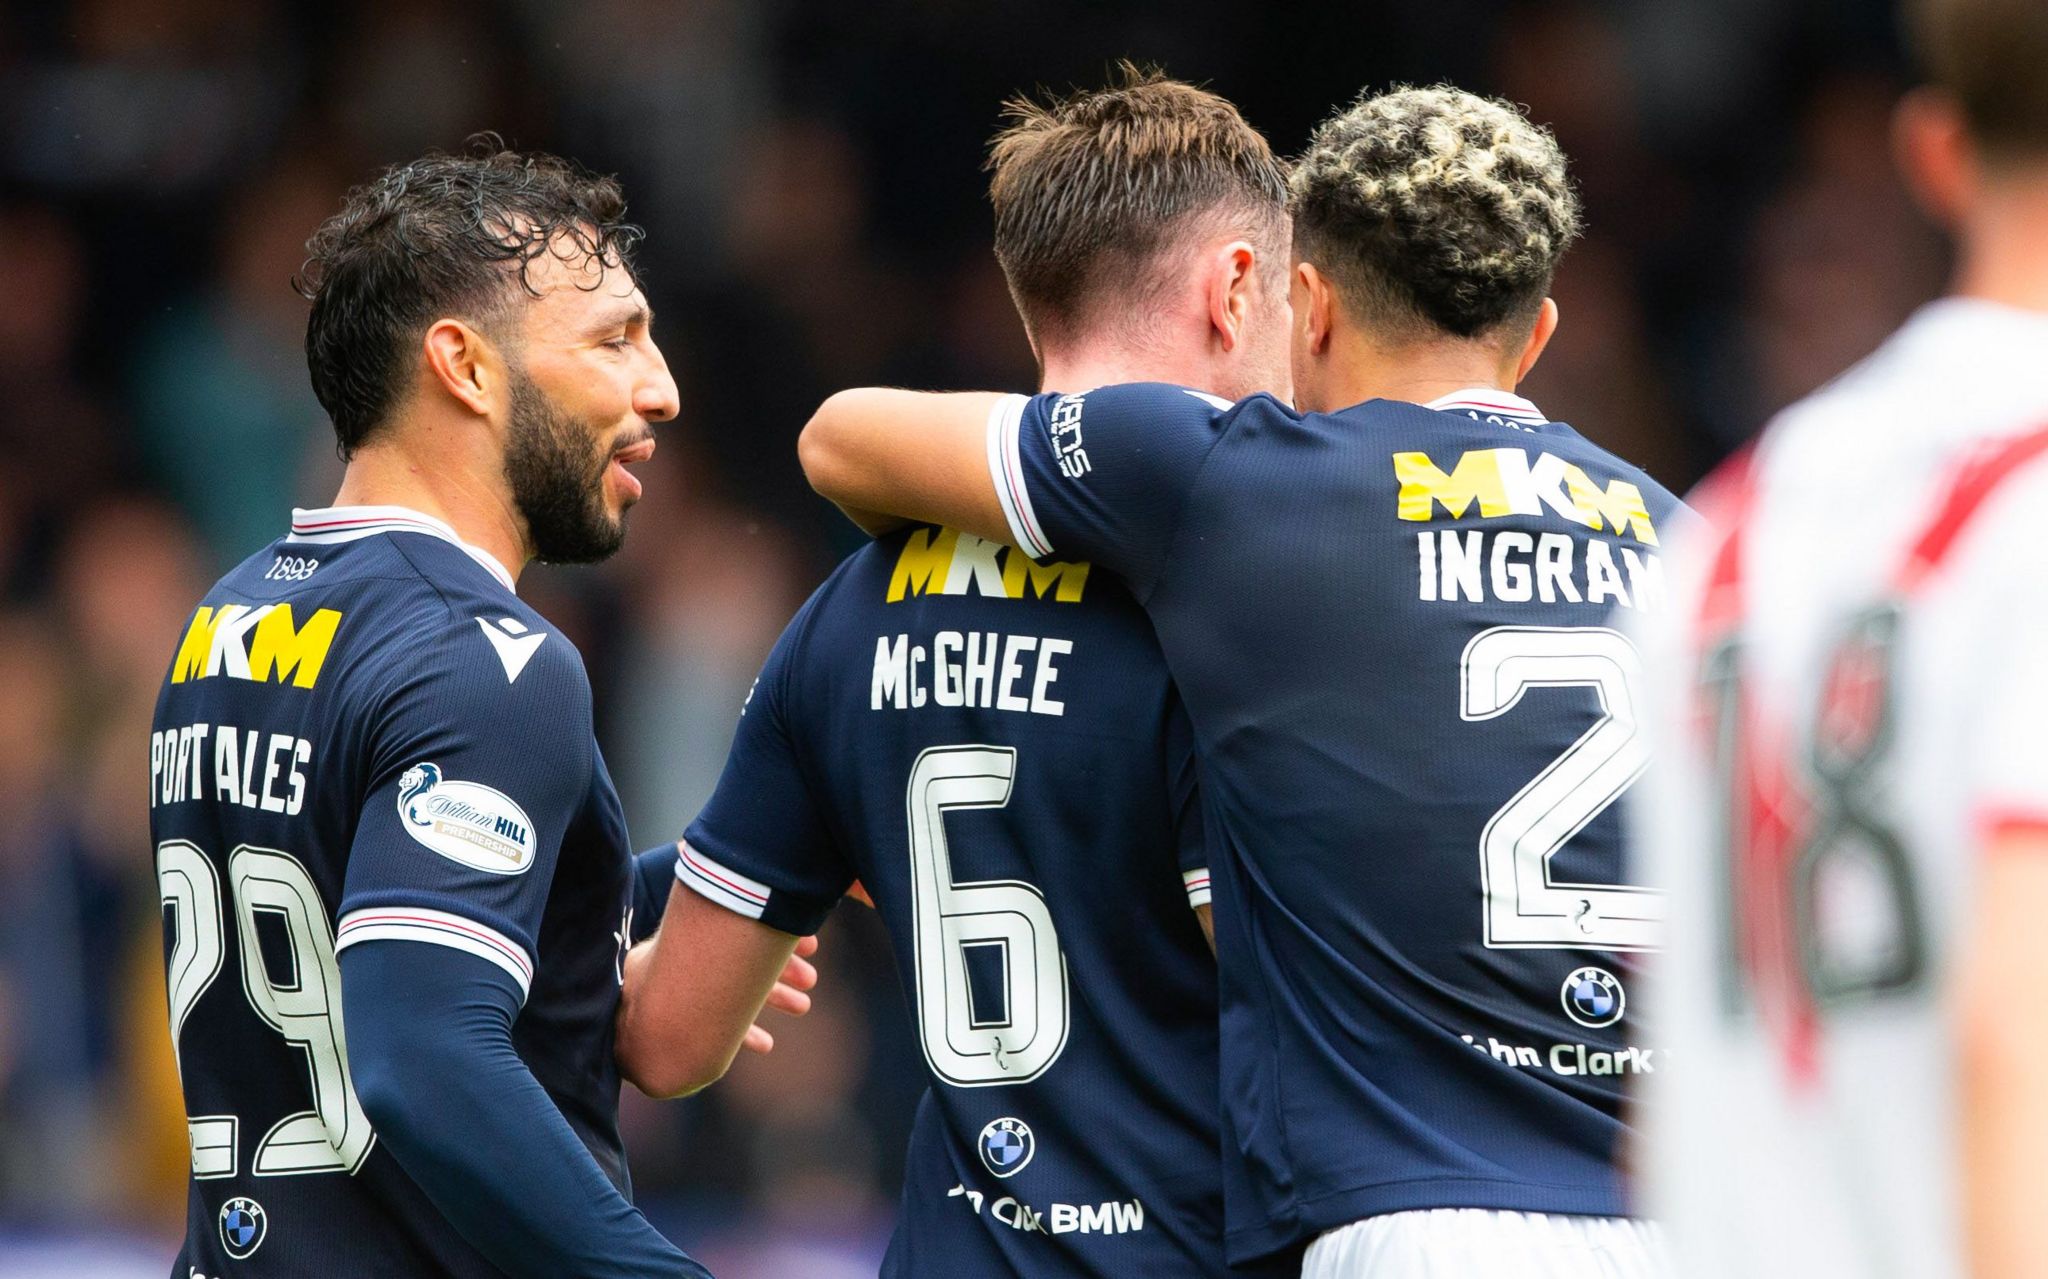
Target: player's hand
{"type": "Point", "coordinates": [799, 976]}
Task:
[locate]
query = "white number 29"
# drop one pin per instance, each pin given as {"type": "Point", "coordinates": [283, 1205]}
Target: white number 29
{"type": "Point", "coordinates": [1003, 1039]}
{"type": "Point", "coordinates": [303, 1004]}
{"type": "Point", "coordinates": [1525, 905]}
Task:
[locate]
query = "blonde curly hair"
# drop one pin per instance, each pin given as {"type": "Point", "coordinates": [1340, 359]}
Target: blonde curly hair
{"type": "Point", "coordinates": [1434, 209]}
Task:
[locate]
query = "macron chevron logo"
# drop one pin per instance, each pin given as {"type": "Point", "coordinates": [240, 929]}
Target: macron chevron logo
{"type": "Point", "coordinates": [515, 647]}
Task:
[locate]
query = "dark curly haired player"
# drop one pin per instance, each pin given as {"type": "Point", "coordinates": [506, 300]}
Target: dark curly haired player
{"type": "Point", "coordinates": [395, 875]}
{"type": "Point", "coordinates": [1387, 613]}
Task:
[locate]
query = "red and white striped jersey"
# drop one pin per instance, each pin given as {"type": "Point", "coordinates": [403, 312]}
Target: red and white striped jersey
{"type": "Point", "coordinates": [1848, 687]}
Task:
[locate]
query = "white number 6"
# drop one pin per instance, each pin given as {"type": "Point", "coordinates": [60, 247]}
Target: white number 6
{"type": "Point", "coordinates": [1024, 1032]}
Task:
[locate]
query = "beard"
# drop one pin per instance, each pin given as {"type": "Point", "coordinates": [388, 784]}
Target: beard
{"type": "Point", "coordinates": [556, 482]}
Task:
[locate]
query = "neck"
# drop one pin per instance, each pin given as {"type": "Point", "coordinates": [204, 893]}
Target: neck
{"type": "Point", "coordinates": [396, 470]}
{"type": "Point", "coordinates": [1085, 367]}
{"type": "Point", "coordinates": [2003, 251]}
{"type": "Point", "coordinates": [1362, 367]}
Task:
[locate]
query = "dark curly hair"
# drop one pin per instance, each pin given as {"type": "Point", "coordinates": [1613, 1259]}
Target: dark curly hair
{"type": "Point", "coordinates": [446, 235]}
{"type": "Point", "coordinates": [1434, 209]}
{"type": "Point", "coordinates": [1089, 188]}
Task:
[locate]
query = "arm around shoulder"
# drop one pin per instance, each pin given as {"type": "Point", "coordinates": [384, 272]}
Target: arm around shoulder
{"type": "Point", "coordinates": [886, 456]}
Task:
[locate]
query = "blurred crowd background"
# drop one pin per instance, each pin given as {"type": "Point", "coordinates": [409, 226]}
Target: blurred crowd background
{"type": "Point", "coordinates": [809, 175]}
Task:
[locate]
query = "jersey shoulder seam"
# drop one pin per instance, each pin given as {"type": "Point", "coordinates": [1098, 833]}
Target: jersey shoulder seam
{"type": "Point", "coordinates": [421, 573]}
{"type": "Point", "coordinates": [379, 696]}
{"type": "Point", "coordinates": [1173, 524]}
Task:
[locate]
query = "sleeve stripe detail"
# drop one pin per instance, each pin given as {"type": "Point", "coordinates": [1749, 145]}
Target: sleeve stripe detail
{"type": "Point", "coordinates": [1006, 468]}
{"type": "Point", "coordinates": [727, 887]}
{"type": "Point", "coordinates": [439, 927]}
{"type": "Point", "coordinates": [1197, 884]}
{"type": "Point", "coordinates": [1993, 822]}
{"type": "Point", "coordinates": [1213, 401]}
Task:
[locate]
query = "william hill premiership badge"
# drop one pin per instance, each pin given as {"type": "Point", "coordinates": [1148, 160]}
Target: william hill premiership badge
{"type": "Point", "coordinates": [465, 822]}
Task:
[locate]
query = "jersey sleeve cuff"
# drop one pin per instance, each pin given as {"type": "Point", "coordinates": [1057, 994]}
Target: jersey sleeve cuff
{"type": "Point", "coordinates": [2020, 817]}
{"type": "Point", "coordinates": [720, 883]}
{"type": "Point", "coordinates": [796, 912]}
{"type": "Point", "coordinates": [439, 928]}
{"type": "Point", "coordinates": [1197, 884]}
{"type": "Point", "coordinates": [1006, 470]}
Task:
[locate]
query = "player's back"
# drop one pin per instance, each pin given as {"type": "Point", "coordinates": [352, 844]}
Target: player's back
{"type": "Point", "coordinates": [1851, 680]}
{"type": "Point", "coordinates": [1393, 626]}
{"type": "Point", "coordinates": [997, 754]}
{"type": "Point", "coordinates": [278, 720]}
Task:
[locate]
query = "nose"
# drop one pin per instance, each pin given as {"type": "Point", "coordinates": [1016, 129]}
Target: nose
{"type": "Point", "coordinates": [655, 398]}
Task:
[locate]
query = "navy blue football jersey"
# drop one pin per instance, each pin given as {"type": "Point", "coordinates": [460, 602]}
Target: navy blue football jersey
{"type": "Point", "coordinates": [1392, 626]}
{"type": "Point", "coordinates": [992, 747]}
{"type": "Point", "coordinates": [366, 735]}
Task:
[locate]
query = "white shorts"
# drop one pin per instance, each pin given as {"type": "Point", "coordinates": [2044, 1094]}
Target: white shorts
{"type": "Point", "coordinates": [1459, 1243]}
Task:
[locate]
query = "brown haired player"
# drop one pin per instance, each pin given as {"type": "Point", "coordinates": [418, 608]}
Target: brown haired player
{"type": "Point", "coordinates": [1388, 614]}
{"type": "Point", "coordinates": [993, 748]}
{"type": "Point", "coordinates": [1854, 819]}
{"type": "Point", "coordinates": [394, 871]}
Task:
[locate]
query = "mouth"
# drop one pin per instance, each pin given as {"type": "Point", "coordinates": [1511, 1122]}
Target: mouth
{"type": "Point", "coordinates": [632, 455]}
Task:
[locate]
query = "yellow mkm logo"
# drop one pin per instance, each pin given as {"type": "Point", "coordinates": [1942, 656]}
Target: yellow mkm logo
{"type": "Point", "coordinates": [259, 644]}
{"type": "Point", "coordinates": [1504, 481]}
{"type": "Point", "coordinates": [944, 561]}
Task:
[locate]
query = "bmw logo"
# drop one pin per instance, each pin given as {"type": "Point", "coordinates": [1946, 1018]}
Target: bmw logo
{"type": "Point", "coordinates": [1593, 998]}
{"type": "Point", "coordinates": [243, 1223]}
{"type": "Point", "coordinates": [1006, 1145]}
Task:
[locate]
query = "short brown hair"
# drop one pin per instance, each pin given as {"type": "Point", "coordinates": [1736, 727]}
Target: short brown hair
{"type": "Point", "coordinates": [1089, 188]}
{"type": "Point", "coordinates": [1988, 55]}
{"type": "Point", "coordinates": [1434, 209]}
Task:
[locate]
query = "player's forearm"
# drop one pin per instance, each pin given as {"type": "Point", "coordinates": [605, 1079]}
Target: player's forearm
{"type": "Point", "coordinates": [846, 459]}
{"type": "Point", "coordinates": [2003, 1027]}
{"type": "Point", "coordinates": [431, 1051]}
{"type": "Point", "coordinates": [692, 993]}
{"type": "Point", "coordinates": [2005, 1127]}
{"type": "Point", "coordinates": [886, 456]}
{"type": "Point", "coordinates": [872, 523]}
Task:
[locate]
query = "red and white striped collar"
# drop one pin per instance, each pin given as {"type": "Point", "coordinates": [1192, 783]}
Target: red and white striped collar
{"type": "Point", "coordinates": [330, 524]}
{"type": "Point", "coordinates": [1487, 401]}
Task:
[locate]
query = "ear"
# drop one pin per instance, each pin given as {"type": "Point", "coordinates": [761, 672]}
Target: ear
{"type": "Point", "coordinates": [1315, 307]}
{"type": "Point", "coordinates": [1539, 337]}
{"type": "Point", "coordinates": [464, 364]}
{"type": "Point", "coordinates": [1233, 279]}
{"type": "Point", "coordinates": [1935, 155]}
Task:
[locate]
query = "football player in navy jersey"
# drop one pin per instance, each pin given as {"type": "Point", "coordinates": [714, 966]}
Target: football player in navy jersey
{"type": "Point", "coordinates": [992, 746]}
{"type": "Point", "coordinates": [1388, 612]}
{"type": "Point", "coordinates": [395, 877]}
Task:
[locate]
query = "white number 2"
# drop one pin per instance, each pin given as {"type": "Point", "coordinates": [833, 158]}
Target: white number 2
{"type": "Point", "coordinates": [1525, 906]}
{"type": "Point", "coordinates": [303, 1004]}
{"type": "Point", "coordinates": [1010, 1037]}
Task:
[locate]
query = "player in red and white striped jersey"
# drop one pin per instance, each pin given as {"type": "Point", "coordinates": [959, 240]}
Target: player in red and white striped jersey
{"type": "Point", "coordinates": [1852, 815]}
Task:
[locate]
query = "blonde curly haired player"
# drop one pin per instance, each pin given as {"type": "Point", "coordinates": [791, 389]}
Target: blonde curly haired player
{"type": "Point", "coordinates": [1436, 211]}
{"type": "Point", "coordinates": [1853, 811]}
